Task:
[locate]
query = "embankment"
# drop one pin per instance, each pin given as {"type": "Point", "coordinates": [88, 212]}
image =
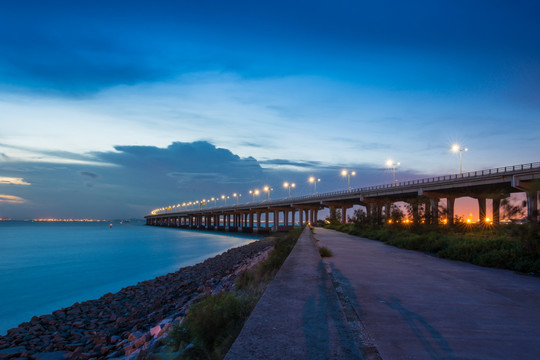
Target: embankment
{"type": "Point", "coordinates": [125, 322]}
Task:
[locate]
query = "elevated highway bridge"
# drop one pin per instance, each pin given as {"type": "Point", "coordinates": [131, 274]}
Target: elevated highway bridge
{"type": "Point", "coordinates": [495, 184]}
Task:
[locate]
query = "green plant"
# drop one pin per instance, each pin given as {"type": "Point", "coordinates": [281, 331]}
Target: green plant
{"type": "Point", "coordinates": [214, 322]}
{"type": "Point", "coordinates": [325, 252]}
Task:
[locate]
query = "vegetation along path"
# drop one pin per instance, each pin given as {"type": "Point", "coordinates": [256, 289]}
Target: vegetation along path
{"type": "Point", "coordinates": [416, 306]}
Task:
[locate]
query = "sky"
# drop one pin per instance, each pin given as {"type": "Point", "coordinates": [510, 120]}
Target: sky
{"type": "Point", "coordinates": [111, 109]}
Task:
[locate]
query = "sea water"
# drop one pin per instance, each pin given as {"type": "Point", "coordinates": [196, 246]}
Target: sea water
{"type": "Point", "coordinates": [46, 266]}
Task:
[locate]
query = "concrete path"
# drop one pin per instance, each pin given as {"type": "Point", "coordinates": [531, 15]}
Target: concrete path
{"type": "Point", "coordinates": [415, 306]}
{"type": "Point", "coordinates": [298, 316]}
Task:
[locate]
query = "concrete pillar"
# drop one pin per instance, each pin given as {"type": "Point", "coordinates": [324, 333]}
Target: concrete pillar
{"type": "Point", "coordinates": [301, 216]}
{"type": "Point", "coordinates": [293, 213]}
{"type": "Point", "coordinates": [276, 220]}
{"type": "Point", "coordinates": [285, 218]}
{"type": "Point", "coordinates": [482, 210]}
{"type": "Point", "coordinates": [388, 211]}
{"type": "Point", "coordinates": [258, 219]}
{"type": "Point", "coordinates": [267, 218]}
{"type": "Point", "coordinates": [434, 211]}
{"type": "Point", "coordinates": [369, 213]}
{"type": "Point", "coordinates": [450, 209]}
{"type": "Point", "coordinates": [416, 217]}
{"type": "Point", "coordinates": [496, 211]}
{"type": "Point", "coordinates": [315, 216]}
{"type": "Point", "coordinates": [532, 205]}
{"type": "Point", "coordinates": [427, 212]}
{"type": "Point", "coordinates": [343, 214]}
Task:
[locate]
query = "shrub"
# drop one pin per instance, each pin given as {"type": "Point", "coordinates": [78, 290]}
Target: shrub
{"type": "Point", "coordinates": [325, 252]}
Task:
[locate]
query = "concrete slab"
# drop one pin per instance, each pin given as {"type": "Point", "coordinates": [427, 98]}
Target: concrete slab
{"type": "Point", "coordinates": [298, 316]}
{"type": "Point", "coordinates": [415, 306]}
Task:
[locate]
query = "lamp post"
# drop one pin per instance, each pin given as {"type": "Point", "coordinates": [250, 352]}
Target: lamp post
{"type": "Point", "coordinates": [237, 196]}
{"type": "Point", "coordinates": [314, 181]}
{"type": "Point", "coordinates": [391, 164]}
{"type": "Point", "coordinates": [348, 175]}
{"type": "Point", "coordinates": [268, 189]}
{"type": "Point", "coordinates": [223, 197]}
{"type": "Point", "coordinates": [458, 148]}
{"type": "Point", "coordinates": [254, 192]}
{"type": "Point", "coordinates": [289, 186]}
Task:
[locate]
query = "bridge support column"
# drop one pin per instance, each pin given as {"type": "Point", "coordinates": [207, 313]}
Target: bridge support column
{"type": "Point", "coordinates": [450, 201]}
{"type": "Point", "coordinates": [496, 211]}
{"type": "Point", "coordinates": [267, 219]}
{"type": "Point", "coordinates": [276, 220]}
{"type": "Point", "coordinates": [434, 202]}
{"type": "Point", "coordinates": [482, 210]}
{"type": "Point", "coordinates": [416, 216]}
{"type": "Point", "coordinates": [293, 213]}
{"type": "Point", "coordinates": [532, 205]}
{"type": "Point", "coordinates": [388, 211]}
{"type": "Point", "coordinates": [343, 214]}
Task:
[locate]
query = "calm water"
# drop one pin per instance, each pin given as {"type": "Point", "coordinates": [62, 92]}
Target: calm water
{"type": "Point", "coordinates": [47, 266]}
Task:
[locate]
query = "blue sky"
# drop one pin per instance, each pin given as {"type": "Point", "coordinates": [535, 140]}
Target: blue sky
{"type": "Point", "coordinates": [93, 95]}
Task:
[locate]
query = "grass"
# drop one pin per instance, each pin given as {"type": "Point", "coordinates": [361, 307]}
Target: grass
{"type": "Point", "coordinates": [213, 323]}
{"type": "Point", "coordinates": [510, 247]}
{"type": "Point", "coordinates": [325, 252]}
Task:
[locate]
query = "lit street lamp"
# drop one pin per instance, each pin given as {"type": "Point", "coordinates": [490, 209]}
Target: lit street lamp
{"type": "Point", "coordinates": [254, 192]}
{"type": "Point", "coordinates": [314, 181]}
{"type": "Point", "coordinates": [237, 196]}
{"type": "Point", "coordinates": [268, 189]}
{"type": "Point", "coordinates": [287, 185]}
{"type": "Point", "coordinates": [458, 148]}
{"type": "Point", "coordinates": [223, 197]}
{"type": "Point", "coordinates": [391, 164]}
{"type": "Point", "coordinates": [348, 175]}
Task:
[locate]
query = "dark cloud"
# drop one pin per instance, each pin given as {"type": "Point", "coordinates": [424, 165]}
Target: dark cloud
{"type": "Point", "coordinates": [89, 174]}
{"type": "Point", "coordinates": [146, 177]}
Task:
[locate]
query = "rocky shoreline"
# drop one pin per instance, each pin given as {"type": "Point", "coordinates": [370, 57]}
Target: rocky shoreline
{"type": "Point", "coordinates": [132, 320]}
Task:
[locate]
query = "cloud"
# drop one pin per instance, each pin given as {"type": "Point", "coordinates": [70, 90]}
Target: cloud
{"type": "Point", "coordinates": [13, 181]}
{"type": "Point", "coordinates": [11, 199]}
{"type": "Point", "coordinates": [89, 174]}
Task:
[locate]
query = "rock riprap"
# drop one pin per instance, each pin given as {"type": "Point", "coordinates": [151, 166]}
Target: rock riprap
{"type": "Point", "coordinates": [129, 321]}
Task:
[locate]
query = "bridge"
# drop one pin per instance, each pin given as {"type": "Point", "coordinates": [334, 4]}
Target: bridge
{"type": "Point", "coordinates": [282, 214]}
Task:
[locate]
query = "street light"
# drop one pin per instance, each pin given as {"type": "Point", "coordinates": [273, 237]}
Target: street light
{"type": "Point", "coordinates": [237, 196]}
{"type": "Point", "coordinates": [458, 148]}
{"type": "Point", "coordinates": [314, 181]}
{"type": "Point", "coordinates": [391, 164]}
{"type": "Point", "coordinates": [254, 192]}
{"type": "Point", "coordinates": [289, 186]}
{"type": "Point", "coordinates": [348, 175]}
{"type": "Point", "coordinates": [214, 200]}
{"type": "Point", "coordinates": [268, 189]}
{"type": "Point", "coordinates": [223, 197]}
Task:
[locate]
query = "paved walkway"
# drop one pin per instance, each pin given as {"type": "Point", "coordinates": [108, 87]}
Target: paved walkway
{"type": "Point", "coordinates": [416, 306]}
{"type": "Point", "coordinates": [298, 316]}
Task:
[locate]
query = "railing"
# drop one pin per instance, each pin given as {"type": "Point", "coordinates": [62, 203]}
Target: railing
{"type": "Point", "coordinates": [436, 179]}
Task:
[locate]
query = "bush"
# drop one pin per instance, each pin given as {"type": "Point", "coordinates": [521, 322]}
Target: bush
{"type": "Point", "coordinates": [213, 323]}
{"type": "Point", "coordinates": [508, 247]}
{"type": "Point", "coordinates": [325, 252]}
